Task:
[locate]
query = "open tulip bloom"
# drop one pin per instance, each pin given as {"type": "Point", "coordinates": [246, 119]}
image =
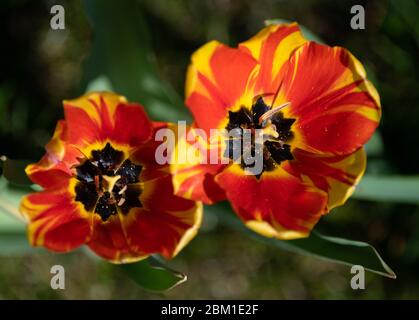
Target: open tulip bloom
{"type": "Point", "coordinates": [305, 109]}
{"type": "Point", "coordinates": [103, 188]}
{"type": "Point", "coordinates": [315, 109]}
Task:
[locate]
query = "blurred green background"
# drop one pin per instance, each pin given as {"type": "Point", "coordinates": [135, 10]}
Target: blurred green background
{"type": "Point", "coordinates": [143, 48]}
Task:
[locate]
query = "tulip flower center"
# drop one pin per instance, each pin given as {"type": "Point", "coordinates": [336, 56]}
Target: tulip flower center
{"type": "Point", "coordinates": [276, 134]}
{"type": "Point", "coordinates": [108, 183]}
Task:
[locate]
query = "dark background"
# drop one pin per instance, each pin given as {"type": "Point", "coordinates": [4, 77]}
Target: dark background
{"type": "Point", "coordinates": [40, 67]}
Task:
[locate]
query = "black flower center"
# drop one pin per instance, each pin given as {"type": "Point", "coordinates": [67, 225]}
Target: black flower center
{"type": "Point", "coordinates": [275, 132]}
{"type": "Point", "coordinates": [107, 183]}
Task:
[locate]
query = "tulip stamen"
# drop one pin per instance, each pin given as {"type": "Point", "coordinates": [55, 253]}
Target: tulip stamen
{"type": "Point", "coordinates": [266, 122]}
{"type": "Point", "coordinates": [97, 183]}
{"type": "Point", "coordinates": [270, 113]}
{"type": "Point", "coordinates": [123, 190]}
{"type": "Point", "coordinates": [108, 183]}
{"type": "Point", "coordinates": [121, 202]}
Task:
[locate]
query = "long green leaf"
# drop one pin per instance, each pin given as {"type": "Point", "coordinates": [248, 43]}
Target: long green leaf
{"type": "Point", "coordinates": [375, 146]}
{"type": "Point", "coordinates": [152, 274]}
{"type": "Point", "coordinates": [339, 250]}
{"type": "Point", "coordinates": [122, 52]}
{"type": "Point", "coordinates": [10, 197]}
{"type": "Point", "coordinates": [389, 188]}
{"type": "Point", "coordinates": [101, 83]}
{"type": "Point", "coordinates": [14, 244]}
{"type": "Point", "coordinates": [13, 239]}
{"type": "Point", "coordinates": [14, 171]}
{"type": "Point", "coordinates": [344, 251]}
{"type": "Point", "coordinates": [408, 10]}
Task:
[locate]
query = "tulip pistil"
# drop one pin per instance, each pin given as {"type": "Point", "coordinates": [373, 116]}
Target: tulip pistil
{"type": "Point", "coordinates": [108, 183]}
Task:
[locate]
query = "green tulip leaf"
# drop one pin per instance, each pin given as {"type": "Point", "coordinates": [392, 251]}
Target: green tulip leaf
{"type": "Point", "coordinates": [14, 171]}
{"type": "Point", "coordinates": [10, 197]}
{"type": "Point", "coordinates": [153, 275]}
{"type": "Point", "coordinates": [132, 71]}
{"type": "Point", "coordinates": [403, 189]}
{"type": "Point", "coordinates": [13, 239]}
{"type": "Point", "coordinates": [14, 243]}
{"type": "Point", "coordinates": [333, 249]}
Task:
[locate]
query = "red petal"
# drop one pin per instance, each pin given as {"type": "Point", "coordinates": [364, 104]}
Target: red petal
{"type": "Point", "coordinates": [277, 205]}
{"type": "Point", "coordinates": [197, 183]}
{"type": "Point", "coordinates": [192, 178]}
{"type": "Point", "coordinates": [55, 221]}
{"type": "Point", "coordinates": [272, 47]}
{"type": "Point", "coordinates": [109, 242]}
{"type": "Point", "coordinates": [54, 168]}
{"type": "Point", "coordinates": [216, 80]}
{"type": "Point", "coordinates": [336, 108]}
{"type": "Point", "coordinates": [336, 175]}
{"type": "Point", "coordinates": [83, 129]}
{"type": "Point", "coordinates": [165, 224]}
{"type": "Point", "coordinates": [102, 116]}
{"type": "Point", "coordinates": [132, 125]}
{"type": "Point", "coordinates": [145, 153]}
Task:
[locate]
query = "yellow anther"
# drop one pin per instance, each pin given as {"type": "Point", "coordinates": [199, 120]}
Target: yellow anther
{"type": "Point", "coordinates": [267, 115]}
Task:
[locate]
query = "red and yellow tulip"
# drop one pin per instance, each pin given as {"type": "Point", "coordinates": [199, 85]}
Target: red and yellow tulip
{"type": "Point", "coordinates": [102, 187]}
{"type": "Point", "coordinates": [319, 109]}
